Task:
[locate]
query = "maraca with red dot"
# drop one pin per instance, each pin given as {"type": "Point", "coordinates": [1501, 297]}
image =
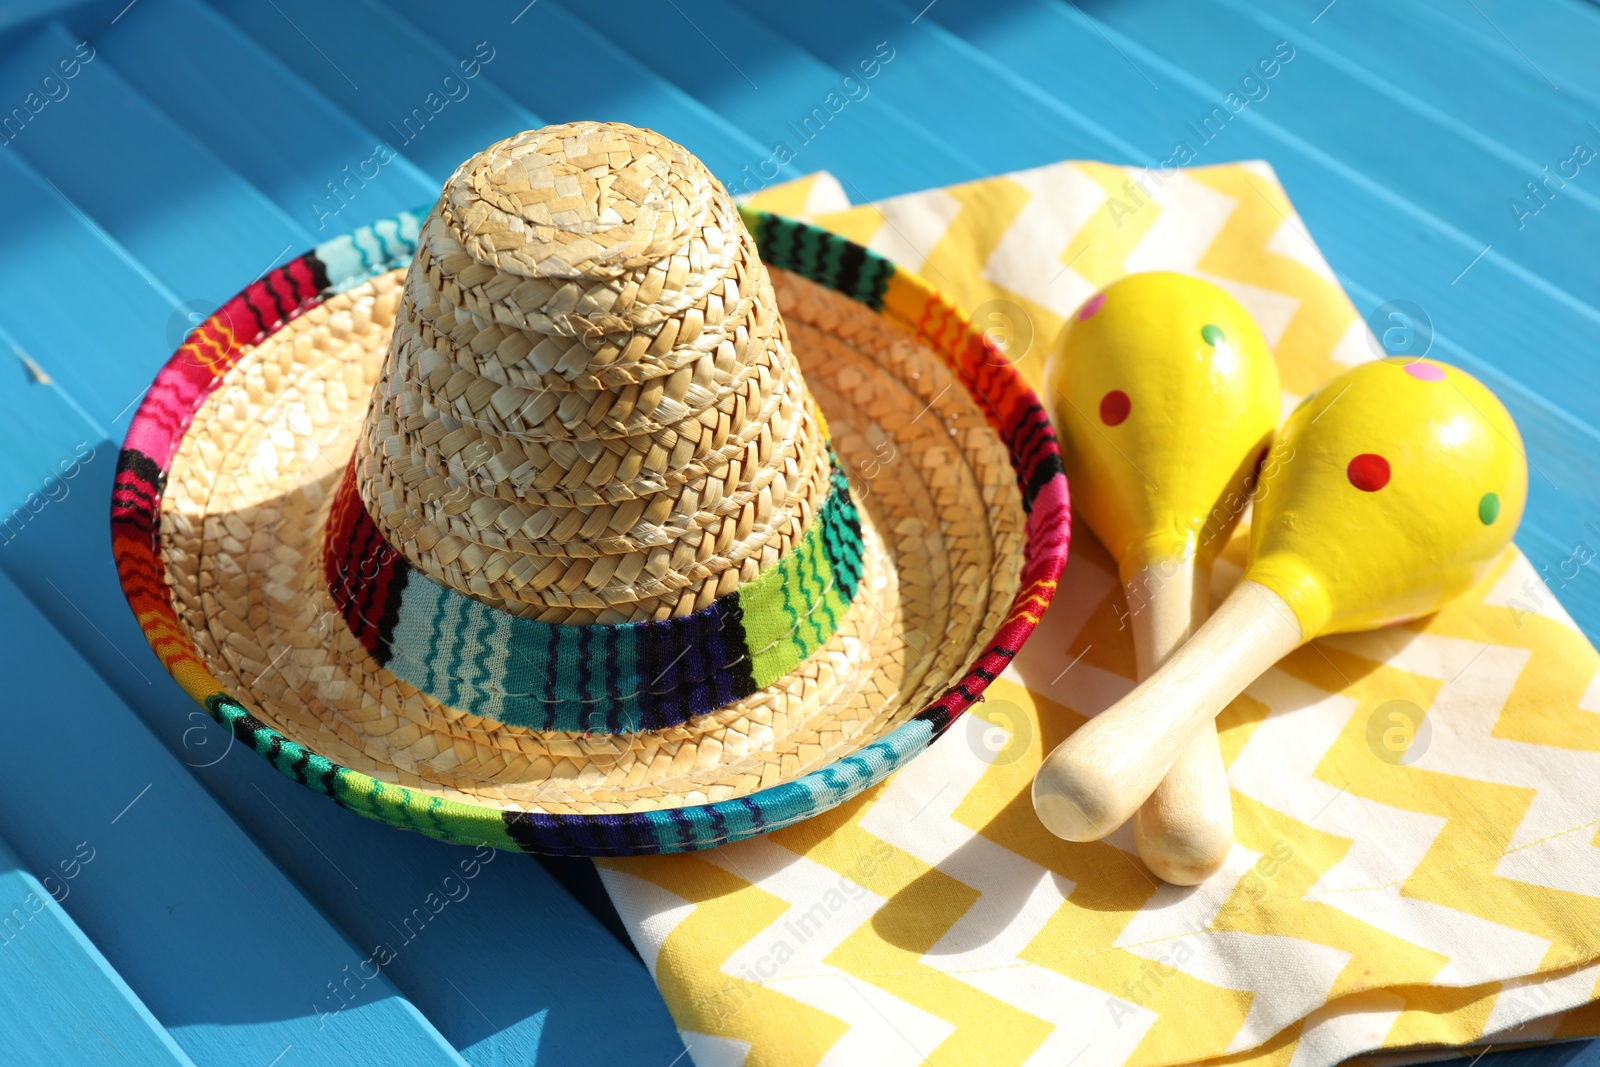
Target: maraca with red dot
{"type": "Point", "coordinates": [1389, 492]}
{"type": "Point", "coordinates": [1165, 395]}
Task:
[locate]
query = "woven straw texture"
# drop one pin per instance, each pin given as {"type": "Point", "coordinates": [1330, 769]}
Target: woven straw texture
{"type": "Point", "coordinates": [590, 412]}
{"type": "Point", "coordinates": [665, 474]}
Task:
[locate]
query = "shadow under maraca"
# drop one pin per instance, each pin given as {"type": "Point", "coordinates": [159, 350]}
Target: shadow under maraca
{"type": "Point", "coordinates": [1095, 876]}
{"type": "Point", "coordinates": [1078, 663]}
{"type": "Point", "coordinates": [1081, 655]}
{"type": "Point", "coordinates": [1335, 665]}
{"type": "Point", "coordinates": [1067, 688]}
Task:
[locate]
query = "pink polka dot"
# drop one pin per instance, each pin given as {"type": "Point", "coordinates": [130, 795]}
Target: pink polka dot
{"type": "Point", "coordinates": [1091, 305]}
{"type": "Point", "coordinates": [1427, 372]}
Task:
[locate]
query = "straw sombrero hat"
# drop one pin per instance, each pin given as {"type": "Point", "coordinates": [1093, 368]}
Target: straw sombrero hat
{"type": "Point", "coordinates": [517, 522]}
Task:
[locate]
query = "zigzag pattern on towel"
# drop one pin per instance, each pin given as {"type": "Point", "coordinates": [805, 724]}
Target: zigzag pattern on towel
{"type": "Point", "coordinates": [1367, 905]}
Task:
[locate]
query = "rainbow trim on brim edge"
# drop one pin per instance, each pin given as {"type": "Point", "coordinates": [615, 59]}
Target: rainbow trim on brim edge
{"type": "Point", "coordinates": [182, 386]}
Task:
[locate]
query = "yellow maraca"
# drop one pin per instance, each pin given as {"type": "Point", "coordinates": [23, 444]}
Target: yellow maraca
{"type": "Point", "coordinates": [1388, 493]}
{"type": "Point", "coordinates": [1166, 395]}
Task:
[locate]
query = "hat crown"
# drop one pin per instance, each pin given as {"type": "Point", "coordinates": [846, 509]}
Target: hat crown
{"type": "Point", "coordinates": [589, 411]}
{"type": "Point", "coordinates": [580, 200]}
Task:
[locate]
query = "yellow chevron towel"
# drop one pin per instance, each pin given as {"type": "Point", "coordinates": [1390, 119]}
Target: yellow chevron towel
{"type": "Point", "coordinates": [1372, 903]}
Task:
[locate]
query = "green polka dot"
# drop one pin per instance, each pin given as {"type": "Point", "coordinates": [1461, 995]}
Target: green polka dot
{"type": "Point", "coordinates": [1212, 335]}
{"type": "Point", "coordinates": [1489, 508]}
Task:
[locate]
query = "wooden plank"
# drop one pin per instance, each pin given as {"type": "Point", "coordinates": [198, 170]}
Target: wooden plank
{"type": "Point", "coordinates": [482, 971]}
{"type": "Point", "coordinates": [391, 77]}
{"type": "Point", "coordinates": [206, 218]}
{"type": "Point", "coordinates": [44, 429]}
{"type": "Point", "coordinates": [931, 79]}
{"type": "Point", "coordinates": [1557, 39]}
{"type": "Point", "coordinates": [559, 83]}
{"type": "Point", "coordinates": [1499, 101]}
{"type": "Point", "coordinates": [873, 150]}
{"type": "Point", "coordinates": [1561, 1054]}
{"type": "Point", "coordinates": [317, 163]}
{"type": "Point", "coordinates": [223, 949]}
{"type": "Point", "coordinates": [98, 364]}
{"type": "Point", "coordinates": [21, 12]}
{"type": "Point", "coordinates": [64, 1003]}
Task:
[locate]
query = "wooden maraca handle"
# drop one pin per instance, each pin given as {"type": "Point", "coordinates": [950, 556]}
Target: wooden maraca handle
{"type": "Point", "coordinates": [1184, 832]}
{"type": "Point", "coordinates": [1096, 779]}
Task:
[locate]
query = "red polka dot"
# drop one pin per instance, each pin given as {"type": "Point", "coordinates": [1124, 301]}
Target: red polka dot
{"type": "Point", "coordinates": [1114, 407]}
{"type": "Point", "coordinates": [1091, 305]}
{"type": "Point", "coordinates": [1368, 472]}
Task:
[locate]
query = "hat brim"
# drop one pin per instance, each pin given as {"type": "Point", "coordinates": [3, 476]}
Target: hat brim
{"type": "Point", "coordinates": [985, 469]}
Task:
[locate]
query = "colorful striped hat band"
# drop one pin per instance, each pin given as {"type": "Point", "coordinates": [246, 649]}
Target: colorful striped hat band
{"type": "Point", "coordinates": [583, 514]}
{"type": "Point", "coordinates": [594, 678]}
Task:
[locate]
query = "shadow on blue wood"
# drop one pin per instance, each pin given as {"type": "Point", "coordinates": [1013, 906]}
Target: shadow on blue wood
{"type": "Point", "coordinates": [206, 214]}
{"type": "Point", "coordinates": [1565, 1054]}
{"type": "Point", "coordinates": [488, 947]}
{"type": "Point", "coordinates": [210, 934]}
{"type": "Point", "coordinates": [63, 1002]}
{"type": "Point", "coordinates": [313, 160]}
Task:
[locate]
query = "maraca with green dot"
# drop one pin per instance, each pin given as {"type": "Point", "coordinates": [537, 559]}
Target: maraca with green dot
{"type": "Point", "coordinates": [1389, 492]}
{"type": "Point", "coordinates": [1165, 395]}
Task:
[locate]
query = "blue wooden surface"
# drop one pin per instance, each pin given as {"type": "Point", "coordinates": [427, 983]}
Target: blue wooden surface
{"type": "Point", "coordinates": [202, 144]}
{"type": "Point", "coordinates": [63, 997]}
